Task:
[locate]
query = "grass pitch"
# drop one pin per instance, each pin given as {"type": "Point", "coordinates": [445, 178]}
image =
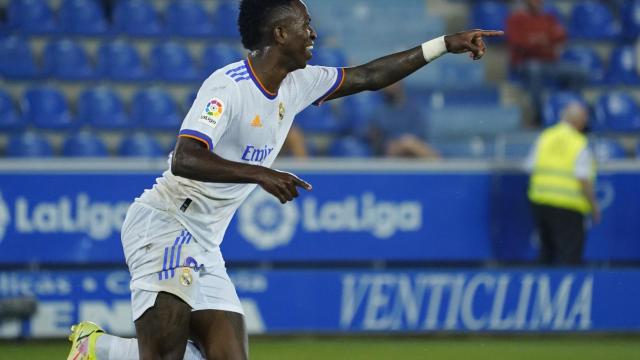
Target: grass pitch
{"type": "Point", "coordinates": [356, 348]}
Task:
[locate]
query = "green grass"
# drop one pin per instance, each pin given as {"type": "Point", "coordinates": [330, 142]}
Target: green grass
{"type": "Point", "coordinates": [355, 348]}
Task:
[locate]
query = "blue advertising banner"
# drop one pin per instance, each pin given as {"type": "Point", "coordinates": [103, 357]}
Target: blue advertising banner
{"type": "Point", "coordinates": [530, 300]}
{"type": "Point", "coordinates": [429, 215]}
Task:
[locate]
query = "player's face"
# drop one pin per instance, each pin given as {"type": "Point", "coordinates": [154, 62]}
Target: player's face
{"type": "Point", "coordinates": [301, 36]}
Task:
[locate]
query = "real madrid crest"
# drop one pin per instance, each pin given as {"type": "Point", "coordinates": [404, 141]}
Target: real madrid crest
{"type": "Point", "coordinates": [185, 277]}
{"type": "Point", "coordinates": [281, 111]}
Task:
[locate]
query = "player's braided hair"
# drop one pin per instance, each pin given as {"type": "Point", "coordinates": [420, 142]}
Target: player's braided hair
{"type": "Point", "coordinates": [254, 18]}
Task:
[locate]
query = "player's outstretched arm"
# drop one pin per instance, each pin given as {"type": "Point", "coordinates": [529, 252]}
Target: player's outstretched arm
{"type": "Point", "coordinates": [192, 160]}
{"type": "Point", "coordinates": [387, 70]}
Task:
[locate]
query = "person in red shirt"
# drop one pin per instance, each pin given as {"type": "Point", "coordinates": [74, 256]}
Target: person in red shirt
{"type": "Point", "coordinates": [535, 39]}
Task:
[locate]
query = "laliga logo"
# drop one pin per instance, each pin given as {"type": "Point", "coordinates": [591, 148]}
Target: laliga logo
{"type": "Point", "coordinates": [266, 223]}
{"type": "Point", "coordinates": [5, 217]}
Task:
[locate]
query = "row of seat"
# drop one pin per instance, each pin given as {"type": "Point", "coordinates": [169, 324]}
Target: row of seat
{"type": "Point", "coordinates": [140, 144]}
{"type": "Point", "coordinates": [132, 17]}
{"type": "Point", "coordinates": [588, 19]}
{"type": "Point", "coordinates": [622, 67]}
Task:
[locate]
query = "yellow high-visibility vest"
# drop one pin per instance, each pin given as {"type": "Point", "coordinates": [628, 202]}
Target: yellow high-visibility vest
{"type": "Point", "coordinates": [553, 181]}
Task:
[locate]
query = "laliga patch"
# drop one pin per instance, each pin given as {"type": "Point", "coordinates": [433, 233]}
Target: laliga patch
{"type": "Point", "coordinates": [212, 112]}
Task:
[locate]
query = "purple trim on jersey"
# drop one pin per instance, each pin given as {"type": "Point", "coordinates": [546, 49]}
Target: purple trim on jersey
{"type": "Point", "coordinates": [198, 135]}
{"type": "Point", "coordinates": [256, 81]}
{"type": "Point", "coordinates": [333, 88]}
{"type": "Point", "coordinates": [236, 69]}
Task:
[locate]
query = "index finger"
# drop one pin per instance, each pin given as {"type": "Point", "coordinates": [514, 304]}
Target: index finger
{"type": "Point", "coordinates": [490, 33]}
{"type": "Point", "coordinates": [302, 183]}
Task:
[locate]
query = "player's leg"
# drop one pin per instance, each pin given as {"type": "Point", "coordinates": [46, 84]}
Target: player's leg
{"type": "Point", "coordinates": [220, 334]}
{"type": "Point", "coordinates": [163, 330]}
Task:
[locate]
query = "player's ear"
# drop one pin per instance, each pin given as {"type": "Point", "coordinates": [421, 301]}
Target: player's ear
{"type": "Point", "coordinates": [279, 34]}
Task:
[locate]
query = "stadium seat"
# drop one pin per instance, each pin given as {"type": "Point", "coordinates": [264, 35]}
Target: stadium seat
{"type": "Point", "coordinates": [82, 17]}
{"type": "Point", "coordinates": [474, 148]}
{"type": "Point", "coordinates": [155, 109]}
{"type": "Point", "coordinates": [515, 146]}
{"type": "Point", "coordinates": [188, 18]}
{"type": "Point", "coordinates": [31, 17]}
{"type": "Point", "coordinates": [172, 62]}
{"type": "Point", "coordinates": [555, 102]}
{"type": "Point", "coordinates": [84, 144]}
{"type": "Point", "coordinates": [622, 67]}
{"type": "Point", "coordinates": [463, 122]}
{"type": "Point", "coordinates": [607, 149]}
{"type": "Point", "coordinates": [630, 13]}
{"type": "Point", "coordinates": [9, 118]}
{"type": "Point", "coordinates": [358, 111]}
{"type": "Point", "coordinates": [617, 111]}
{"type": "Point", "coordinates": [137, 18]}
{"type": "Point", "coordinates": [217, 56]}
{"type": "Point", "coordinates": [66, 60]}
{"type": "Point", "coordinates": [318, 120]}
{"type": "Point", "coordinates": [29, 144]}
{"type": "Point", "coordinates": [47, 108]}
{"type": "Point", "coordinates": [587, 59]}
{"type": "Point", "coordinates": [638, 151]}
{"type": "Point", "coordinates": [473, 96]}
{"type": "Point", "coordinates": [140, 145]}
{"type": "Point", "coordinates": [489, 14]}
{"type": "Point", "coordinates": [225, 20]}
{"type": "Point", "coordinates": [16, 59]}
{"type": "Point", "coordinates": [592, 19]}
{"type": "Point", "coordinates": [333, 57]}
{"type": "Point", "coordinates": [350, 147]}
{"type": "Point", "coordinates": [120, 61]}
{"type": "Point", "coordinates": [102, 108]}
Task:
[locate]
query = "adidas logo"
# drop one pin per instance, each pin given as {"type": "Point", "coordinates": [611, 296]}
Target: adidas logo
{"type": "Point", "coordinates": [256, 122]}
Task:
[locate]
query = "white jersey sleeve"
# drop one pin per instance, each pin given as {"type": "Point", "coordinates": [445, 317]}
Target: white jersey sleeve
{"type": "Point", "coordinates": [212, 111]}
{"type": "Point", "coordinates": [314, 84]}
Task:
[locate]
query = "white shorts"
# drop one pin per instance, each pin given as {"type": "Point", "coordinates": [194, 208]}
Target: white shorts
{"type": "Point", "coordinates": [163, 256]}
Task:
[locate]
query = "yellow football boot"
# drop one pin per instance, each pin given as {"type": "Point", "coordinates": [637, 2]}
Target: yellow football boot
{"type": "Point", "coordinates": [83, 341]}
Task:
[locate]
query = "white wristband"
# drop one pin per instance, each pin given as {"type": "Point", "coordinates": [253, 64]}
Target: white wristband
{"type": "Point", "coordinates": [433, 49]}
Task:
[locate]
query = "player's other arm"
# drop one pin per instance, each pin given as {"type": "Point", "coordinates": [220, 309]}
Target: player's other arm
{"type": "Point", "coordinates": [193, 160]}
{"type": "Point", "coordinates": [387, 70]}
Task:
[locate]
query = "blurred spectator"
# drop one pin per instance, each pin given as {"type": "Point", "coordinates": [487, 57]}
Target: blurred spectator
{"type": "Point", "coordinates": [535, 39]}
{"type": "Point", "coordinates": [561, 187]}
{"type": "Point", "coordinates": [398, 129]}
{"type": "Point", "coordinates": [294, 144]}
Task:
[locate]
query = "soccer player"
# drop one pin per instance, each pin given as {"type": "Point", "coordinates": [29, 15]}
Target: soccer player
{"type": "Point", "coordinates": [184, 304]}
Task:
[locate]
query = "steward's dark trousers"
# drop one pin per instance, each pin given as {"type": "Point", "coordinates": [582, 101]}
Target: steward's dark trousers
{"type": "Point", "coordinates": [562, 235]}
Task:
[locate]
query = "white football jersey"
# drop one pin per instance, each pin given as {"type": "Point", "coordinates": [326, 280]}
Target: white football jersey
{"type": "Point", "coordinates": [239, 120]}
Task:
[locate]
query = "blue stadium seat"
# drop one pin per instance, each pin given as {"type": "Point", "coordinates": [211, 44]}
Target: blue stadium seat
{"type": "Point", "coordinates": [47, 108]}
{"type": "Point", "coordinates": [155, 109]}
{"type": "Point", "coordinates": [120, 61]}
{"type": "Point", "coordinates": [31, 17]}
{"type": "Point", "coordinates": [475, 147]}
{"type": "Point", "coordinates": [217, 56]}
{"type": "Point", "coordinates": [9, 118]}
{"type": "Point", "coordinates": [630, 13]}
{"type": "Point", "coordinates": [607, 149]}
{"type": "Point", "coordinates": [29, 144]}
{"type": "Point", "coordinates": [16, 59]}
{"type": "Point", "coordinates": [476, 96]}
{"type": "Point", "coordinates": [188, 18]}
{"type": "Point", "coordinates": [66, 60]}
{"type": "Point", "coordinates": [587, 59]}
{"type": "Point", "coordinates": [318, 120]}
{"type": "Point", "coordinates": [593, 19]}
{"type": "Point", "coordinates": [638, 151]}
{"type": "Point", "coordinates": [359, 110]}
{"type": "Point", "coordinates": [622, 68]}
{"type": "Point", "coordinates": [82, 17]}
{"type": "Point", "coordinates": [137, 18]}
{"type": "Point", "coordinates": [84, 144]}
{"type": "Point", "coordinates": [350, 147]}
{"type": "Point", "coordinates": [515, 146]}
{"type": "Point", "coordinates": [102, 108]}
{"type": "Point", "coordinates": [172, 62]}
{"type": "Point", "coordinates": [617, 111]}
{"type": "Point", "coordinates": [333, 57]}
{"type": "Point", "coordinates": [225, 20]}
{"type": "Point", "coordinates": [554, 104]}
{"type": "Point", "coordinates": [463, 122]}
{"type": "Point", "coordinates": [140, 145]}
{"type": "Point", "coordinates": [489, 14]}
